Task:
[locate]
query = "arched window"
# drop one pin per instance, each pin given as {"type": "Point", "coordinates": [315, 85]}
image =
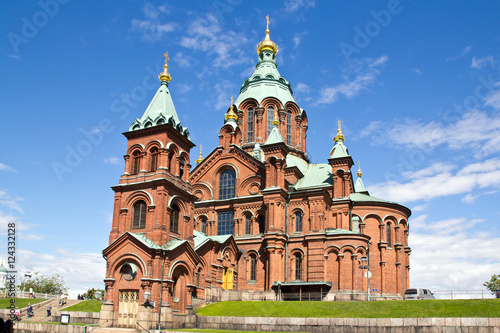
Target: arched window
{"type": "Point", "coordinates": [298, 222]}
{"type": "Point", "coordinates": [262, 223]}
{"type": "Point", "coordinates": [270, 118]}
{"type": "Point", "coordinates": [136, 162]}
{"type": "Point", "coordinates": [154, 159]}
{"type": "Point", "coordinates": [226, 184]}
{"type": "Point", "coordinates": [204, 225]}
{"type": "Point", "coordinates": [250, 125]}
{"type": "Point", "coordinates": [181, 167]}
{"type": "Point", "coordinates": [389, 235]}
{"type": "Point", "coordinates": [225, 223]}
{"type": "Point", "coordinates": [289, 128]}
{"type": "Point", "coordinates": [253, 267]}
{"type": "Point", "coordinates": [248, 225]}
{"type": "Point", "coordinates": [139, 221]}
{"type": "Point", "coordinates": [174, 219]}
{"type": "Point", "coordinates": [298, 266]}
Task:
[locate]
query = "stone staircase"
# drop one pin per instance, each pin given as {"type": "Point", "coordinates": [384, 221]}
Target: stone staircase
{"type": "Point", "coordinates": [40, 310]}
{"type": "Point", "coordinates": [115, 330]}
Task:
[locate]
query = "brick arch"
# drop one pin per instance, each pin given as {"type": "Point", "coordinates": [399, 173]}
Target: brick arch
{"type": "Point", "coordinates": [139, 195]}
{"type": "Point", "coordinates": [177, 200]}
{"type": "Point", "coordinates": [153, 143]}
{"type": "Point", "coordinates": [138, 261]}
{"type": "Point", "coordinates": [248, 103]}
{"type": "Point", "coordinates": [250, 252]}
{"type": "Point", "coordinates": [247, 183]}
{"type": "Point", "coordinates": [132, 148]}
{"type": "Point", "coordinates": [373, 215]}
{"type": "Point", "coordinates": [292, 107]}
{"type": "Point", "coordinates": [271, 102]}
{"type": "Point", "coordinates": [206, 190]}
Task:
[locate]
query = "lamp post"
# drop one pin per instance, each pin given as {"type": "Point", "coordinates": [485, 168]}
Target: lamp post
{"type": "Point", "coordinates": [364, 263]}
{"type": "Point", "coordinates": [147, 297]}
{"type": "Point", "coordinates": [98, 295]}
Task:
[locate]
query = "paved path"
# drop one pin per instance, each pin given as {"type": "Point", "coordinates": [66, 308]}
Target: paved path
{"type": "Point", "coordinates": [40, 310]}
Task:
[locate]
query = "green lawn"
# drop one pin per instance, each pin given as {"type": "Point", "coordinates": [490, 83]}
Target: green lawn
{"type": "Point", "coordinates": [20, 302]}
{"type": "Point", "coordinates": [379, 309]}
{"type": "Point", "coordinates": [86, 306]}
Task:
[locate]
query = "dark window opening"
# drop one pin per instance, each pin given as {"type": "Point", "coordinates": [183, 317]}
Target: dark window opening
{"type": "Point", "coordinates": [225, 223]}
{"type": "Point", "coordinates": [139, 221]}
{"type": "Point", "coordinates": [174, 219]}
{"type": "Point", "coordinates": [226, 184]}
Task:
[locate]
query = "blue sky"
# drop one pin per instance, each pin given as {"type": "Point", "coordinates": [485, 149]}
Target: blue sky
{"type": "Point", "coordinates": [416, 84]}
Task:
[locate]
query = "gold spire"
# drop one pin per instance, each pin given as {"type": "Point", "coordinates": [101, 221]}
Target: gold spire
{"type": "Point", "coordinates": [275, 120]}
{"type": "Point", "coordinates": [267, 43]}
{"type": "Point", "coordinates": [199, 159]}
{"type": "Point", "coordinates": [339, 135]}
{"type": "Point", "coordinates": [231, 114]}
{"type": "Point", "coordinates": [359, 173]}
{"type": "Point", "coordinates": [165, 76]}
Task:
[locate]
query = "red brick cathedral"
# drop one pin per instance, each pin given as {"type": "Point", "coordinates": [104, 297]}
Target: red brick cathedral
{"type": "Point", "coordinates": [254, 219]}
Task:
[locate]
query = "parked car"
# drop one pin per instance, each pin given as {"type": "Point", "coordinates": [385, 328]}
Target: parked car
{"type": "Point", "coordinates": [415, 293]}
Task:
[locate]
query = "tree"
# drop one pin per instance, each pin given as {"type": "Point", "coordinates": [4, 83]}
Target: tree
{"type": "Point", "coordinates": [53, 284]}
{"type": "Point", "coordinates": [493, 284]}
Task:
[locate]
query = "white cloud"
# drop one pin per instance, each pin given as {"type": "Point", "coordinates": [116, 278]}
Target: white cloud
{"type": "Point", "coordinates": [451, 254]}
{"type": "Point", "coordinates": [419, 208]}
{"type": "Point", "coordinates": [80, 270]}
{"type": "Point", "coordinates": [205, 34]}
{"type": "Point", "coordinates": [465, 51]}
{"type": "Point", "coordinates": [416, 70]}
{"type": "Point", "coordinates": [112, 160]}
{"type": "Point", "coordinates": [469, 198]}
{"type": "Point", "coordinates": [292, 6]}
{"type": "Point", "coordinates": [11, 202]}
{"type": "Point", "coordinates": [4, 167]}
{"type": "Point", "coordinates": [222, 91]}
{"type": "Point", "coordinates": [425, 185]}
{"type": "Point", "coordinates": [151, 28]}
{"type": "Point", "coordinates": [493, 99]}
{"type": "Point", "coordinates": [183, 60]}
{"type": "Point", "coordinates": [183, 88]}
{"type": "Point", "coordinates": [302, 88]}
{"type": "Point", "coordinates": [482, 62]}
{"type": "Point", "coordinates": [22, 228]}
{"type": "Point", "coordinates": [365, 71]}
{"type": "Point", "coordinates": [476, 130]}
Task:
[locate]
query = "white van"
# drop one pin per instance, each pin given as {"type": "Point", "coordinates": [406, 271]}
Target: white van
{"type": "Point", "coordinates": [416, 293]}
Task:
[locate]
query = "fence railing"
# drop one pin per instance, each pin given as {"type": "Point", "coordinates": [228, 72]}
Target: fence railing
{"type": "Point", "coordinates": [462, 294]}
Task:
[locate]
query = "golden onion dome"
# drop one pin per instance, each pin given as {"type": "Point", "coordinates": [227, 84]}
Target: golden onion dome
{"type": "Point", "coordinates": [267, 43]}
{"type": "Point", "coordinates": [200, 158]}
{"type": "Point", "coordinates": [165, 76]}
{"type": "Point", "coordinates": [359, 173]}
{"type": "Point", "coordinates": [339, 135]}
{"type": "Point", "coordinates": [230, 113]}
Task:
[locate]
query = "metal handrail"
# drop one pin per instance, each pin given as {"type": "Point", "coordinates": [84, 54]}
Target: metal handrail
{"type": "Point", "coordinates": [96, 325]}
{"type": "Point", "coordinates": [142, 327]}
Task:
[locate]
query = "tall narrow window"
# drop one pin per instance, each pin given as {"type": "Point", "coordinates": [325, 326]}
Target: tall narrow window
{"type": "Point", "coordinates": [204, 225]}
{"type": "Point", "coordinates": [288, 128]}
{"type": "Point", "coordinates": [250, 125]}
{"type": "Point", "coordinates": [389, 240]}
{"type": "Point", "coordinates": [136, 162]}
{"type": "Point", "coordinates": [262, 223]}
{"type": "Point", "coordinates": [154, 159]}
{"type": "Point", "coordinates": [298, 266]}
{"type": "Point", "coordinates": [270, 118]}
{"type": "Point", "coordinates": [253, 267]}
{"type": "Point", "coordinates": [298, 222]}
{"type": "Point", "coordinates": [248, 225]}
{"type": "Point", "coordinates": [139, 221]}
{"type": "Point", "coordinates": [225, 223]}
{"type": "Point", "coordinates": [181, 167]}
{"type": "Point", "coordinates": [174, 219]}
{"type": "Point", "coordinates": [226, 185]}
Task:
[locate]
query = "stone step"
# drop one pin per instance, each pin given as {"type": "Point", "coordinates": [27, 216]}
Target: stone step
{"type": "Point", "coordinates": [114, 330]}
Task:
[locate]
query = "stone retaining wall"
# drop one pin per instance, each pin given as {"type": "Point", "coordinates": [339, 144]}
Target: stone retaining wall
{"type": "Point", "coordinates": [46, 328]}
{"type": "Point", "coordinates": [353, 325]}
{"type": "Point", "coordinates": [77, 317]}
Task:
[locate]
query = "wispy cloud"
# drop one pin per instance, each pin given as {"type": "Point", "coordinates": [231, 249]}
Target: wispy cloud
{"type": "Point", "coordinates": [205, 34]}
{"type": "Point", "coordinates": [292, 6]}
{"type": "Point", "coordinates": [416, 70]}
{"type": "Point", "coordinates": [112, 160]}
{"type": "Point", "coordinates": [81, 270]}
{"type": "Point", "coordinates": [476, 130]}
{"type": "Point", "coordinates": [4, 167]}
{"type": "Point", "coordinates": [464, 52]}
{"type": "Point", "coordinates": [151, 28]}
{"type": "Point", "coordinates": [461, 243]}
{"type": "Point", "coordinates": [482, 62]}
{"type": "Point", "coordinates": [493, 99]}
{"type": "Point", "coordinates": [360, 75]}
{"type": "Point", "coordinates": [222, 94]}
{"type": "Point", "coordinates": [11, 202]}
{"type": "Point", "coordinates": [440, 180]}
{"type": "Point", "coordinates": [24, 229]}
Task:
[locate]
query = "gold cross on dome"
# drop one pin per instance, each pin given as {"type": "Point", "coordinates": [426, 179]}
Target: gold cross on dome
{"type": "Point", "coordinates": [231, 100]}
{"type": "Point", "coordinates": [267, 19]}
{"type": "Point", "coordinates": [166, 57]}
{"type": "Point", "coordinates": [339, 124]}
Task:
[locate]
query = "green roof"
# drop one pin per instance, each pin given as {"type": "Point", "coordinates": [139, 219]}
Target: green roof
{"type": "Point", "coordinates": [266, 81]}
{"type": "Point", "coordinates": [361, 197]}
{"type": "Point", "coordinates": [161, 110]}
{"type": "Point", "coordinates": [200, 238]}
{"type": "Point", "coordinates": [359, 187]}
{"type": "Point", "coordinates": [274, 136]}
{"type": "Point", "coordinates": [152, 245]}
{"type": "Point", "coordinates": [316, 175]}
{"type": "Point", "coordinates": [339, 150]}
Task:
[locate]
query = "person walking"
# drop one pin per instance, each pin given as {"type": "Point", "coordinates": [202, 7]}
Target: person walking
{"type": "Point", "coordinates": [18, 314]}
{"type": "Point", "coordinates": [29, 311]}
{"type": "Point", "coordinates": [49, 310]}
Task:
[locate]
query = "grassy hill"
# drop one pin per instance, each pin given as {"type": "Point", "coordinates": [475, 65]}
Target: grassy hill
{"type": "Point", "coordinates": [379, 309]}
